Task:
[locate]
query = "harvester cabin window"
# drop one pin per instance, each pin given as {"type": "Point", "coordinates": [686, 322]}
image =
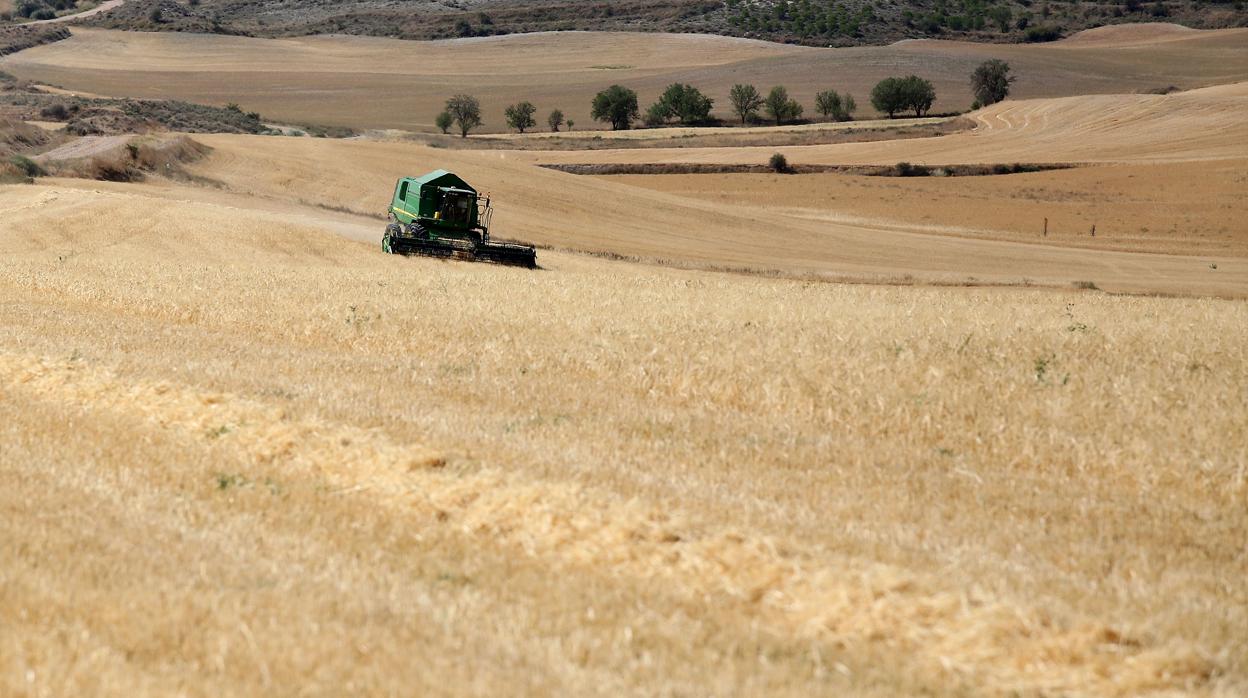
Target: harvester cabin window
{"type": "Point", "coordinates": [455, 209]}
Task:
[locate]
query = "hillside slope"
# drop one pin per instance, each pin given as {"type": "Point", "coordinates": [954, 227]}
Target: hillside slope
{"type": "Point", "coordinates": [405, 84]}
{"type": "Point", "coordinates": [812, 22]}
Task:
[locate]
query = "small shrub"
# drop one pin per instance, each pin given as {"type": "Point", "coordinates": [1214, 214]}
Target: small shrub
{"type": "Point", "coordinates": [55, 112]}
{"type": "Point", "coordinates": [1041, 34]}
{"type": "Point", "coordinates": [905, 169]}
{"type": "Point", "coordinates": [1086, 286]}
{"type": "Point", "coordinates": [778, 163]}
{"type": "Point", "coordinates": [27, 166]}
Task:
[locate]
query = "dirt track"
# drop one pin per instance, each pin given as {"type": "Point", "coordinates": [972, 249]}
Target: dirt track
{"type": "Point", "coordinates": [102, 7]}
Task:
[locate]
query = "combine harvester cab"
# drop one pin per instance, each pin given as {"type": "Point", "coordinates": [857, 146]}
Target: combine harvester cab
{"type": "Point", "coordinates": [440, 215]}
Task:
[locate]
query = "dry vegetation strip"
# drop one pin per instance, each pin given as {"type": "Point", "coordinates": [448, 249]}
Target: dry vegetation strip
{"type": "Point", "coordinates": [559, 480]}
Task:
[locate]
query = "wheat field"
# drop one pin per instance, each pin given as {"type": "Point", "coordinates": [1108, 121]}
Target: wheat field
{"type": "Point", "coordinates": [738, 435]}
{"type": "Point", "coordinates": [244, 453]}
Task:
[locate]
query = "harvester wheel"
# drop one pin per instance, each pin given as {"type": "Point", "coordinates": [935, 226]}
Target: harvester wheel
{"type": "Point", "coordinates": [417, 231]}
{"type": "Point", "coordinates": [392, 231]}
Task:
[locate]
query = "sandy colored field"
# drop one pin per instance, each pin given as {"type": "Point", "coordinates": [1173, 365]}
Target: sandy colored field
{"type": "Point", "coordinates": [586, 213]}
{"type": "Point", "coordinates": [242, 452]}
{"type": "Point", "coordinates": [1192, 208]}
{"type": "Point", "coordinates": [1203, 124]}
{"type": "Point", "coordinates": [379, 83]}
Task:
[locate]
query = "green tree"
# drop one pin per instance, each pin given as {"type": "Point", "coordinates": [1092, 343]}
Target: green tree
{"type": "Point", "coordinates": [828, 104]}
{"type": "Point", "coordinates": [684, 102]}
{"type": "Point", "coordinates": [848, 106]}
{"type": "Point", "coordinates": [656, 115]}
{"type": "Point", "coordinates": [919, 94]}
{"type": "Point", "coordinates": [571, 123]}
{"type": "Point", "coordinates": [616, 104]}
{"type": "Point", "coordinates": [888, 96]}
{"type": "Point", "coordinates": [779, 107]}
{"type": "Point", "coordinates": [746, 101]}
{"type": "Point", "coordinates": [520, 116]}
{"type": "Point", "coordinates": [444, 121]}
{"type": "Point", "coordinates": [991, 82]}
{"type": "Point", "coordinates": [555, 120]}
{"type": "Point", "coordinates": [466, 111]}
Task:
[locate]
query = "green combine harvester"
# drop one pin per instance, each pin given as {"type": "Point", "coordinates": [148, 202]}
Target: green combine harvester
{"type": "Point", "coordinates": [440, 215]}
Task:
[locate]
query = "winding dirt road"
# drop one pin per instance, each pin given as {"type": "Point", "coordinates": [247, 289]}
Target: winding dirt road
{"type": "Point", "coordinates": [102, 7]}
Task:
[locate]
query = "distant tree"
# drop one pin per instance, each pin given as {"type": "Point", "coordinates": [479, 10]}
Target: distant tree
{"type": "Point", "coordinates": [746, 101]}
{"type": "Point", "coordinates": [466, 111]}
{"type": "Point", "coordinates": [617, 105]}
{"type": "Point", "coordinates": [778, 163]}
{"type": "Point", "coordinates": [555, 120]}
{"type": "Point", "coordinates": [520, 116]}
{"type": "Point", "coordinates": [828, 103]}
{"type": "Point", "coordinates": [684, 102]}
{"type": "Point", "coordinates": [571, 123]}
{"type": "Point", "coordinates": [157, 15]}
{"type": "Point", "coordinates": [444, 121]}
{"type": "Point", "coordinates": [1003, 16]}
{"type": "Point", "coordinates": [991, 82]}
{"type": "Point", "coordinates": [848, 106]}
{"type": "Point", "coordinates": [892, 95]}
{"type": "Point", "coordinates": [919, 94]}
{"type": "Point", "coordinates": [779, 107]}
{"type": "Point", "coordinates": [887, 98]}
{"type": "Point", "coordinates": [656, 115]}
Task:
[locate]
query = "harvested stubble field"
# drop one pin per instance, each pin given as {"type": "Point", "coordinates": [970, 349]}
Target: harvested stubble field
{"type": "Point", "coordinates": [592, 214]}
{"type": "Point", "coordinates": [324, 79]}
{"type": "Point", "coordinates": [1189, 208]}
{"type": "Point", "coordinates": [242, 453]}
{"type": "Point", "coordinates": [1197, 125]}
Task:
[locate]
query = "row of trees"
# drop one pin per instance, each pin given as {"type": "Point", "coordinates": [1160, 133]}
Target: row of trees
{"type": "Point", "coordinates": [618, 106]}
{"type": "Point", "coordinates": [464, 111]}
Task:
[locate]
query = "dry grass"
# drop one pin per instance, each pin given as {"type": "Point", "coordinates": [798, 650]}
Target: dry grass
{"type": "Point", "coordinates": [590, 214]}
{"type": "Point", "coordinates": [243, 453]}
{"type": "Point", "coordinates": [1179, 208]}
{"type": "Point", "coordinates": [324, 79]}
